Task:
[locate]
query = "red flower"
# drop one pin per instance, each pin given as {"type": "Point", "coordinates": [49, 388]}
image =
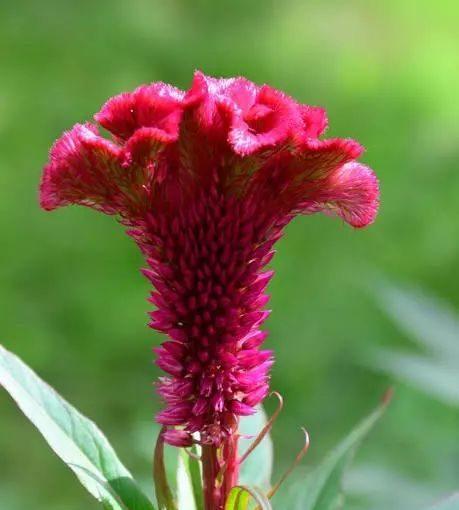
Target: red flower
{"type": "Point", "coordinates": [206, 181]}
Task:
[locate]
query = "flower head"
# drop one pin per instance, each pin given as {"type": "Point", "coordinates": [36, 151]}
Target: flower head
{"type": "Point", "coordinates": [205, 181]}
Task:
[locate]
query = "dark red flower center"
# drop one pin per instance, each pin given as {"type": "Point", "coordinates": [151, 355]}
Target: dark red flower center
{"type": "Point", "coordinates": [205, 261]}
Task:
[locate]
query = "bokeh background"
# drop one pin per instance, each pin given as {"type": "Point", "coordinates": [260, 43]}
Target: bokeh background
{"type": "Point", "coordinates": [72, 300]}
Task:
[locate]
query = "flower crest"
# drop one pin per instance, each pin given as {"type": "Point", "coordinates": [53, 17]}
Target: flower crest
{"type": "Point", "coordinates": [167, 145]}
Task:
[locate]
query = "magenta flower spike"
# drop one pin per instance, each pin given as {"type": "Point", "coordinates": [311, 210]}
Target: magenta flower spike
{"type": "Point", "coordinates": [205, 182]}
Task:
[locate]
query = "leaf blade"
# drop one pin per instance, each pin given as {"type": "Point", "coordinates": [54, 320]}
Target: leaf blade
{"type": "Point", "coordinates": [256, 470]}
{"type": "Point", "coordinates": [426, 374]}
{"type": "Point", "coordinates": [163, 491]}
{"type": "Point", "coordinates": [189, 481]}
{"type": "Point", "coordinates": [430, 322]}
{"type": "Point", "coordinates": [322, 488]}
{"type": "Point", "coordinates": [72, 436]}
{"type": "Point", "coordinates": [239, 496]}
{"type": "Point", "coordinates": [450, 503]}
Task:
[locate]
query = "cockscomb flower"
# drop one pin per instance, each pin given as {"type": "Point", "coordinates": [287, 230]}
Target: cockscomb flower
{"type": "Point", "coordinates": [205, 182]}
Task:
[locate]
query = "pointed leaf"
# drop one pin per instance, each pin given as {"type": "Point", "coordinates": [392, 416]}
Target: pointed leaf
{"type": "Point", "coordinates": [108, 497]}
{"type": "Point", "coordinates": [256, 470]}
{"type": "Point", "coordinates": [106, 505]}
{"type": "Point", "coordinates": [238, 499]}
{"type": "Point", "coordinates": [322, 488]}
{"type": "Point", "coordinates": [239, 496]}
{"type": "Point", "coordinates": [435, 326]}
{"type": "Point", "coordinates": [185, 496]}
{"type": "Point", "coordinates": [429, 375]}
{"type": "Point", "coordinates": [451, 503]}
{"type": "Point", "coordinates": [426, 319]}
{"type": "Point", "coordinates": [74, 438]}
{"type": "Point", "coordinates": [189, 482]}
{"type": "Point", "coordinates": [162, 489]}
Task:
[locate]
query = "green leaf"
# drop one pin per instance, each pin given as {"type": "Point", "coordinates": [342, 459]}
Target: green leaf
{"type": "Point", "coordinates": [162, 489]}
{"type": "Point", "coordinates": [257, 468]}
{"type": "Point", "coordinates": [435, 327]}
{"type": "Point", "coordinates": [322, 488]}
{"type": "Point", "coordinates": [189, 482]}
{"type": "Point", "coordinates": [430, 322]}
{"type": "Point", "coordinates": [239, 496]}
{"type": "Point", "coordinates": [109, 499]}
{"type": "Point", "coordinates": [238, 499]}
{"type": "Point", "coordinates": [74, 438]}
{"type": "Point", "coordinates": [451, 503]}
{"type": "Point", "coordinates": [427, 374]}
{"type": "Point", "coordinates": [106, 505]}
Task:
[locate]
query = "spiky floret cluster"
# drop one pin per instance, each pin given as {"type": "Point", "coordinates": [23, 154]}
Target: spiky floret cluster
{"type": "Point", "coordinates": [205, 181]}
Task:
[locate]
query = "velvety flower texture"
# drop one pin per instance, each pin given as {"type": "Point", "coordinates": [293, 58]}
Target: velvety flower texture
{"type": "Point", "coordinates": [206, 180]}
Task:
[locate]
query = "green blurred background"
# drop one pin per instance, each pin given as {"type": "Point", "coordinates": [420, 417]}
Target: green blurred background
{"type": "Point", "coordinates": [72, 300]}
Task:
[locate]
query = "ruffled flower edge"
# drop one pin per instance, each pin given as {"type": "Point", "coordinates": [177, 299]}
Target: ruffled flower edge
{"type": "Point", "coordinates": [157, 127]}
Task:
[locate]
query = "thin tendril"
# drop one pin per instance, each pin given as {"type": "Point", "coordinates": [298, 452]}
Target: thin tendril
{"type": "Point", "coordinates": [265, 430]}
{"type": "Point", "coordinates": [295, 463]}
{"type": "Point", "coordinates": [193, 455]}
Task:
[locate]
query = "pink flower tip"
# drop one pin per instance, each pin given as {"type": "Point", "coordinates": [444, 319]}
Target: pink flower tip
{"type": "Point", "coordinates": [176, 437]}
